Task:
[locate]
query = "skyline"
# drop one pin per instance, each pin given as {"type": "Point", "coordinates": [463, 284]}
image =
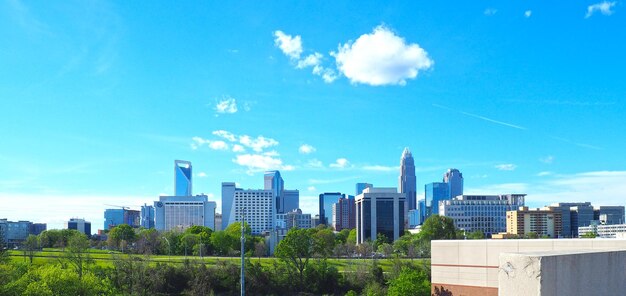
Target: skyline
{"type": "Point", "coordinates": [520, 97]}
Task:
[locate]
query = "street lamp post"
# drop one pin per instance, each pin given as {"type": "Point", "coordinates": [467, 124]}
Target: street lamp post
{"type": "Point", "coordinates": [243, 248]}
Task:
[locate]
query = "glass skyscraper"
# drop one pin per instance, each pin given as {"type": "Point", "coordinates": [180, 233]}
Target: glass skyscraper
{"type": "Point", "coordinates": [454, 179]}
{"type": "Point", "coordinates": [182, 178]}
{"type": "Point", "coordinates": [361, 186]}
{"type": "Point", "coordinates": [407, 181]}
{"type": "Point", "coordinates": [434, 193]}
{"type": "Point", "coordinates": [327, 200]}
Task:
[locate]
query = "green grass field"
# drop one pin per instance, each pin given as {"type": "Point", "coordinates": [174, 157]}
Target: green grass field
{"type": "Point", "coordinates": [105, 258]}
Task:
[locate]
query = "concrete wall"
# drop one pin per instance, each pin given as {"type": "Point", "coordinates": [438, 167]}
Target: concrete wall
{"type": "Point", "coordinates": [563, 273]}
{"type": "Point", "coordinates": [474, 263]}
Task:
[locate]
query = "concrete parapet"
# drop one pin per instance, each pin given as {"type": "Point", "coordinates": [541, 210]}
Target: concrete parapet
{"type": "Point", "coordinates": [581, 272]}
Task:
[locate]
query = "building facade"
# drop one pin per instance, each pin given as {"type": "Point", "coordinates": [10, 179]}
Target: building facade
{"type": "Point", "coordinates": [542, 222]}
{"type": "Point", "coordinates": [326, 202]}
{"type": "Point", "coordinates": [486, 213]}
{"type": "Point", "coordinates": [182, 178]}
{"type": "Point", "coordinates": [344, 213]}
{"type": "Point", "coordinates": [258, 205]}
{"type": "Point", "coordinates": [181, 212]}
{"type": "Point", "coordinates": [454, 179]}
{"type": "Point", "coordinates": [433, 194]}
{"type": "Point", "coordinates": [114, 217]}
{"type": "Point", "coordinates": [14, 233]}
{"type": "Point", "coordinates": [407, 181]}
{"type": "Point", "coordinates": [603, 231]}
{"type": "Point", "coordinates": [147, 216]}
{"type": "Point", "coordinates": [80, 225]}
{"type": "Point", "coordinates": [361, 186]}
{"type": "Point", "coordinates": [293, 219]}
{"type": "Point", "coordinates": [380, 211]}
{"type": "Point", "coordinates": [608, 215]}
{"type": "Point", "coordinates": [290, 200]}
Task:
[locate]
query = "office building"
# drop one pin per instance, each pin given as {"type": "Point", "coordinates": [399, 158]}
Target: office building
{"type": "Point", "coordinates": [406, 180]}
{"type": "Point", "coordinates": [79, 224]}
{"type": "Point", "coordinates": [361, 186]}
{"type": "Point", "coordinates": [259, 206]}
{"type": "Point", "coordinates": [423, 211]}
{"type": "Point", "coordinates": [37, 228]}
{"type": "Point", "coordinates": [181, 212]}
{"type": "Point", "coordinates": [15, 233]}
{"type": "Point", "coordinates": [454, 179]}
{"type": "Point", "coordinates": [434, 193]}
{"type": "Point", "coordinates": [344, 213]}
{"type": "Point", "coordinates": [414, 218]}
{"type": "Point", "coordinates": [286, 200]}
{"type": "Point", "coordinates": [542, 222]}
{"type": "Point", "coordinates": [293, 219]}
{"type": "Point", "coordinates": [608, 215]}
{"type": "Point", "coordinates": [182, 178]}
{"type": "Point", "coordinates": [218, 222]}
{"type": "Point", "coordinates": [114, 217]}
{"type": "Point", "coordinates": [486, 213]}
{"type": "Point", "coordinates": [574, 215]}
{"type": "Point", "coordinates": [315, 220]}
{"type": "Point", "coordinates": [603, 231]}
{"type": "Point", "coordinates": [326, 202]}
{"type": "Point", "coordinates": [380, 211]}
{"type": "Point", "coordinates": [147, 216]}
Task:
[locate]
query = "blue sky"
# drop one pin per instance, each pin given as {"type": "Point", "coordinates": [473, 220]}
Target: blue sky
{"type": "Point", "coordinates": [99, 98]}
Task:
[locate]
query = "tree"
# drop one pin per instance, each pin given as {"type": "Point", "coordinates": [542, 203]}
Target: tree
{"type": "Point", "coordinates": [260, 249]}
{"type": "Point", "coordinates": [324, 242]}
{"type": "Point", "coordinates": [77, 253]}
{"type": "Point", "coordinates": [531, 235]}
{"type": "Point", "coordinates": [438, 227]}
{"type": "Point", "coordinates": [122, 233]}
{"type": "Point", "coordinates": [589, 235]}
{"type": "Point", "coordinates": [188, 241]}
{"type": "Point", "coordinates": [30, 246]}
{"type": "Point", "coordinates": [222, 243]}
{"type": "Point", "coordinates": [296, 249]}
{"type": "Point", "coordinates": [410, 282]}
{"type": "Point", "coordinates": [478, 234]}
{"type": "Point", "coordinates": [4, 254]}
{"type": "Point", "coordinates": [351, 237]}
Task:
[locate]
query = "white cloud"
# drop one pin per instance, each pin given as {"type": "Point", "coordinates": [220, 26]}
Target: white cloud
{"type": "Point", "coordinates": [218, 145]}
{"type": "Point", "coordinates": [227, 105]}
{"type": "Point", "coordinates": [306, 149]}
{"type": "Point", "coordinates": [543, 174]}
{"type": "Point", "coordinates": [340, 163]}
{"type": "Point", "coordinates": [290, 46]}
{"type": "Point", "coordinates": [257, 144]}
{"type": "Point", "coordinates": [316, 163]}
{"type": "Point", "coordinates": [215, 145]}
{"type": "Point", "coordinates": [310, 61]}
{"type": "Point", "coordinates": [603, 7]}
{"type": "Point", "coordinates": [201, 175]}
{"type": "Point", "coordinates": [506, 167]}
{"type": "Point", "coordinates": [380, 168]}
{"type": "Point", "coordinates": [490, 11]}
{"type": "Point", "coordinates": [548, 159]}
{"type": "Point", "coordinates": [260, 162]}
{"type": "Point", "coordinates": [311, 188]}
{"type": "Point", "coordinates": [381, 58]}
{"type": "Point", "coordinates": [528, 13]}
{"type": "Point", "coordinates": [225, 134]}
{"type": "Point", "coordinates": [505, 188]}
{"type": "Point", "coordinates": [238, 148]}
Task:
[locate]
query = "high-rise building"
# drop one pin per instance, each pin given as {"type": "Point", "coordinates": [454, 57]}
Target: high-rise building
{"type": "Point", "coordinates": [258, 205]}
{"type": "Point", "coordinates": [290, 200]}
{"type": "Point", "coordinates": [608, 215]}
{"type": "Point", "coordinates": [344, 213]}
{"type": "Point", "coordinates": [181, 212]}
{"type": "Point", "coordinates": [380, 211]}
{"type": "Point", "coordinates": [361, 186]}
{"type": "Point", "coordinates": [293, 219]}
{"type": "Point", "coordinates": [182, 178]}
{"type": "Point", "coordinates": [37, 228]}
{"type": "Point", "coordinates": [147, 216]}
{"type": "Point", "coordinates": [286, 200]}
{"type": "Point", "coordinates": [326, 202]}
{"type": "Point", "coordinates": [454, 179]}
{"type": "Point", "coordinates": [423, 211]}
{"type": "Point", "coordinates": [406, 180]}
{"type": "Point", "coordinates": [15, 233]}
{"type": "Point", "coordinates": [542, 222]}
{"type": "Point", "coordinates": [114, 217]}
{"type": "Point", "coordinates": [434, 193]}
{"type": "Point", "coordinates": [79, 224]}
{"type": "Point", "coordinates": [486, 213]}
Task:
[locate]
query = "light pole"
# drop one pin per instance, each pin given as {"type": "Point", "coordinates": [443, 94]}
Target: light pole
{"type": "Point", "coordinates": [243, 248]}
{"type": "Point", "coordinates": [169, 249]}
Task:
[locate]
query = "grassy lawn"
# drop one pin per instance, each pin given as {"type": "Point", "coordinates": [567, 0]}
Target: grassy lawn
{"type": "Point", "coordinates": [105, 258]}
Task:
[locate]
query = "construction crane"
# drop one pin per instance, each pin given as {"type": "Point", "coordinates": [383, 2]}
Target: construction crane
{"type": "Point", "coordinates": [122, 207]}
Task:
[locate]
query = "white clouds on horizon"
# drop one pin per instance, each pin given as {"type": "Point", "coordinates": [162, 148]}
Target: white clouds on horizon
{"type": "Point", "coordinates": [340, 163]}
{"type": "Point", "coordinates": [261, 162]}
{"type": "Point", "coordinates": [197, 142]}
{"type": "Point", "coordinates": [506, 167]}
{"type": "Point", "coordinates": [603, 7]}
{"type": "Point", "coordinates": [381, 58]}
{"type": "Point", "coordinates": [290, 46]}
{"type": "Point", "coordinates": [306, 149]}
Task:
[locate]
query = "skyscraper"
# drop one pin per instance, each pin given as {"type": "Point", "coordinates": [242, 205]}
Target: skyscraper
{"type": "Point", "coordinates": [434, 193]}
{"type": "Point", "coordinates": [181, 212]}
{"type": "Point", "coordinates": [326, 202]}
{"type": "Point", "coordinates": [182, 178]}
{"type": "Point", "coordinates": [361, 186]}
{"type": "Point", "coordinates": [454, 179]}
{"type": "Point", "coordinates": [379, 211]}
{"type": "Point", "coordinates": [286, 200]}
{"type": "Point", "coordinates": [407, 180]}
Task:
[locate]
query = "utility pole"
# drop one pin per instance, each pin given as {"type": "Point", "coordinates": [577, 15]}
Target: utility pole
{"type": "Point", "coordinates": [243, 248]}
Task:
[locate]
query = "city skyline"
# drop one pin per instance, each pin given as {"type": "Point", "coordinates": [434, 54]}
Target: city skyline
{"type": "Point", "coordinates": [520, 97]}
